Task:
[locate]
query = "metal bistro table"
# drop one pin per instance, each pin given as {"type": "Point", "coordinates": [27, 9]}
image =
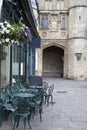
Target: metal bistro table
{"type": "Point", "coordinates": [25, 95]}
{"type": "Point", "coordinates": [22, 108]}
{"type": "Point", "coordinates": [36, 87]}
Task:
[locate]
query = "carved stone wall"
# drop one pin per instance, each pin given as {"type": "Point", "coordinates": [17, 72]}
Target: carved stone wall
{"type": "Point", "coordinates": [54, 30]}
{"type": "Point", "coordinates": [72, 38]}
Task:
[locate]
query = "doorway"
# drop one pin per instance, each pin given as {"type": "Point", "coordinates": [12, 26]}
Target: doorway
{"type": "Point", "coordinates": [53, 62]}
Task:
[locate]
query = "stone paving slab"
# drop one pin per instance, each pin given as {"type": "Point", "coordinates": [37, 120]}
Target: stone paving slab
{"type": "Point", "coordinates": [69, 111]}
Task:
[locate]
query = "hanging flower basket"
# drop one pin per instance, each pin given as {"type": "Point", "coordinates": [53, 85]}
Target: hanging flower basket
{"type": "Point", "coordinates": [13, 34]}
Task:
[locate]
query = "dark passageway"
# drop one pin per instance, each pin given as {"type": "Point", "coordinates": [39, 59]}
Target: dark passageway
{"type": "Point", "coordinates": [53, 62]}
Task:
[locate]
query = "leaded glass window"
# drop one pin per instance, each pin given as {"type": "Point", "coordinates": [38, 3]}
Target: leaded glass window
{"type": "Point", "coordinates": [63, 22]}
{"type": "Point", "coordinates": [78, 56]}
{"type": "Point", "coordinates": [44, 21]}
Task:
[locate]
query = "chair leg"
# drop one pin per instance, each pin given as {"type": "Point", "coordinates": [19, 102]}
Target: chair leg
{"type": "Point", "coordinates": [40, 112]}
{"type": "Point", "coordinates": [29, 122]}
{"type": "Point", "coordinates": [47, 100]}
{"type": "Point", "coordinates": [24, 123]}
{"type": "Point", "coordinates": [18, 118]}
{"type": "Point", "coordinates": [52, 99]}
{"type": "Point", "coordinates": [13, 121]}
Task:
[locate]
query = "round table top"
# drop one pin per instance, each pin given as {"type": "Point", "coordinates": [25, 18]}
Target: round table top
{"type": "Point", "coordinates": [24, 95]}
{"type": "Point", "coordinates": [36, 87]}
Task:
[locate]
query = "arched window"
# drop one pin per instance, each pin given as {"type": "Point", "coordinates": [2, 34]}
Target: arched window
{"type": "Point", "coordinates": [44, 21]}
{"type": "Point", "coordinates": [63, 22]}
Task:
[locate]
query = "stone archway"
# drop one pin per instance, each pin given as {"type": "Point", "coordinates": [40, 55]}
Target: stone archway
{"type": "Point", "coordinates": [53, 61]}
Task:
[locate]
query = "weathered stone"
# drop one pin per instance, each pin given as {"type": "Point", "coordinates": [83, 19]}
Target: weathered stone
{"type": "Point", "coordinates": [71, 38]}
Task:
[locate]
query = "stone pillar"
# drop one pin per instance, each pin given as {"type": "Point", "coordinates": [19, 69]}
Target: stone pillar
{"type": "Point", "coordinates": [38, 70]}
{"type": "Point", "coordinates": [77, 35]}
{"type": "Point", "coordinates": [85, 59]}
{"type": "Point", "coordinates": [65, 61]}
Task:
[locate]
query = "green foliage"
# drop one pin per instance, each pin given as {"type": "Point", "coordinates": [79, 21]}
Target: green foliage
{"type": "Point", "coordinates": [26, 85]}
{"type": "Point", "coordinates": [12, 34]}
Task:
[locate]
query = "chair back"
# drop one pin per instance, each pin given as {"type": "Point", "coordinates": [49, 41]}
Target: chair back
{"type": "Point", "coordinates": [1, 112]}
{"type": "Point", "coordinates": [14, 89]}
{"type": "Point", "coordinates": [21, 104]}
{"type": "Point", "coordinates": [4, 96]}
{"type": "Point", "coordinates": [35, 81]}
{"type": "Point", "coordinates": [45, 84]}
{"type": "Point", "coordinates": [50, 89]}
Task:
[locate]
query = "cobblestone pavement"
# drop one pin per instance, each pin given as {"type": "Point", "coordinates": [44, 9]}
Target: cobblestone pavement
{"type": "Point", "coordinates": [69, 109]}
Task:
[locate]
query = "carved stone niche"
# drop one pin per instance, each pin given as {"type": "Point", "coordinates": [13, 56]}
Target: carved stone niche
{"type": "Point", "coordinates": [63, 33]}
{"type": "Point", "coordinates": [44, 34]}
{"type": "Point", "coordinates": [54, 17]}
{"type": "Point", "coordinates": [78, 56]}
{"type": "Point", "coordinates": [54, 24]}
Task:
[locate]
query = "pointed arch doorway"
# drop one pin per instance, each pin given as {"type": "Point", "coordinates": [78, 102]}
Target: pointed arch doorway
{"type": "Point", "coordinates": [53, 62]}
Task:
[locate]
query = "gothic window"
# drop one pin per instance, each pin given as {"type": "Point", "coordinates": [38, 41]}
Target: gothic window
{"type": "Point", "coordinates": [44, 21]}
{"type": "Point", "coordinates": [79, 17]}
{"type": "Point", "coordinates": [78, 56]}
{"type": "Point", "coordinates": [63, 22]}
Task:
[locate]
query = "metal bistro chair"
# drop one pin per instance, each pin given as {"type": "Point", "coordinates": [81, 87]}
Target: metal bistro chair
{"type": "Point", "coordinates": [1, 113]}
{"type": "Point", "coordinates": [50, 94]}
{"type": "Point", "coordinates": [35, 81]}
{"type": "Point", "coordinates": [7, 106]}
{"type": "Point", "coordinates": [22, 110]}
{"type": "Point", "coordinates": [45, 85]}
{"type": "Point", "coordinates": [36, 102]}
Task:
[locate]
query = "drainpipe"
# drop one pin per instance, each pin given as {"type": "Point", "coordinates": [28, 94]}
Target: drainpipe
{"type": "Point", "coordinates": [10, 78]}
{"type": "Point", "coordinates": [19, 60]}
{"type": "Point", "coordinates": [1, 108]}
{"type": "Point", "coordinates": [0, 68]}
{"type": "Point", "coordinates": [1, 3]}
{"type": "Point", "coordinates": [25, 78]}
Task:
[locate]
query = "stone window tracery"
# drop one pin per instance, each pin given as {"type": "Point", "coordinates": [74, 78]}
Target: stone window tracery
{"type": "Point", "coordinates": [63, 21]}
{"type": "Point", "coordinates": [44, 21]}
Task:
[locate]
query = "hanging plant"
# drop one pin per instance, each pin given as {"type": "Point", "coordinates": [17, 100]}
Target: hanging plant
{"type": "Point", "coordinates": [13, 34]}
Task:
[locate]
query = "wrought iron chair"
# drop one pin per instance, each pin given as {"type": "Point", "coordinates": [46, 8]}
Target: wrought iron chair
{"type": "Point", "coordinates": [7, 106]}
{"type": "Point", "coordinates": [35, 81]}
{"type": "Point", "coordinates": [1, 113]}
{"type": "Point", "coordinates": [22, 110]}
{"type": "Point", "coordinates": [45, 85]}
{"type": "Point", "coordinates": [36, 102]}
{"type": "Point", "coordinates": [50, 94]}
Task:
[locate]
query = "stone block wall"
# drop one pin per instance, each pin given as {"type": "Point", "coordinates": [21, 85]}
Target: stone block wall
{"type": "Point", "coordinates": [72, 38]}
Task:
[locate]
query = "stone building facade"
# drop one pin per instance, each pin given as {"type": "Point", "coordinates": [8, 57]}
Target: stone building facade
{"type": "Point", "coordinates": [63, 30]}
{"type": "Point", "coordinates": [15, 60]}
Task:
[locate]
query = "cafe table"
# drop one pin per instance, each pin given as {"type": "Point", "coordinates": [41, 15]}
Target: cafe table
{"type": "Point", "coordinates": [20, 95]}
{"type": "Point", "coordinates": [24, 94]}
{"type": "Point", "coordinates": [36, 87]}
{"type": "Point", "coordinates": [22, 107]}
